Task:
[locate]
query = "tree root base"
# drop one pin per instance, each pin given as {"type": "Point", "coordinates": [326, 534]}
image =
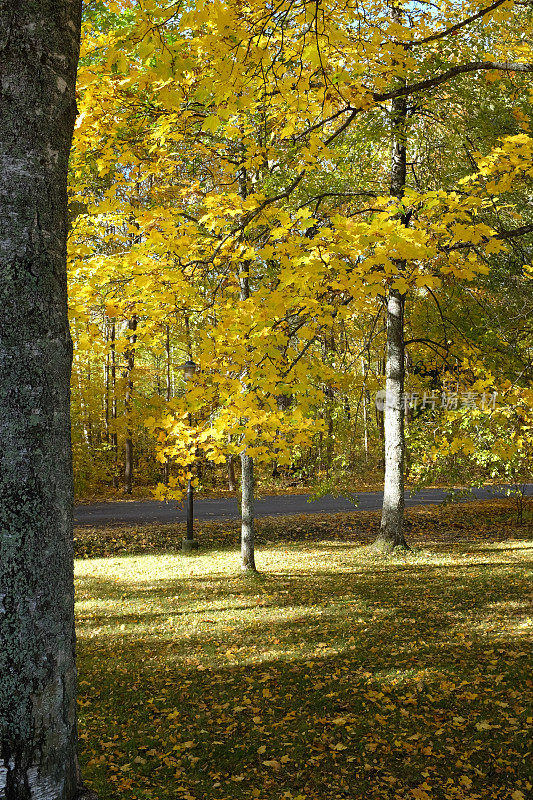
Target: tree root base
{"type": "Point", "coordinates": [385, 547]}
{"type": "Point", "coordinates": [250, 572]}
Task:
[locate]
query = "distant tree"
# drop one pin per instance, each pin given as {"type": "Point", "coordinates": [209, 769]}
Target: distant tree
{"type": "Point", "coordinates": [39, 45]}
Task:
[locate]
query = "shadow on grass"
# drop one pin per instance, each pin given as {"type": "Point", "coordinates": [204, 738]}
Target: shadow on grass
{"type": "Point", "coordinates": [392, 581]}
{"type": "Point", "coordinates": [370, 719]}
{"type": "Point", "coordinates": [374, 682]}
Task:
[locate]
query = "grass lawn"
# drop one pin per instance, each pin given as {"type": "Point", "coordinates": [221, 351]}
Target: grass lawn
{"type": "Point", "coordinates": [332, 675]}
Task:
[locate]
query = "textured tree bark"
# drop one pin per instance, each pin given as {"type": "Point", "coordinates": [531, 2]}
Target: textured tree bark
{"type": "Point", "coordinates": [391, 530]}
{"type": "Point", "coordinates": [247, 514]}
{"type": "Point", "coordinates": [39, 41]}
{"type": "Point", "coordinates": [247, 467]}
{"type": "Point", "coordinates": [247, 462]}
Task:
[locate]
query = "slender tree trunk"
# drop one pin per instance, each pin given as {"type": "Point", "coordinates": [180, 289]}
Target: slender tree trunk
{"type": "Point", "coordinates": [168, 393]}
{"type": "Point", "coordinates": [168, 374]}
{"type": "Point", "coordinates": [83, 407]}
{"type": "Point", "coordinates": [232, 481]}
{"type": "Point", "coordinates": [380, 416]}
{"type": "Point", "coordinates": [89, 421]}
{"type": "Point", "coordinates": [247, 463]}
{"type": "Point", "coordinates": [391, 531]}
{"type": "Point", "coordinates": [365, 409]}
{"type": "Point", "coordinates": [114, 435]}
{"type": "Point", "coordinates": [247, 512]}
{"type": "Point", "coordinates": [158, 390]}
{"type": "Point", "coordinates": [329, 442]}
{"type": "Point", "coordinates": [39, 44]}
{"type": "Point", "coordinates": [128, 399]}
{"type": "Point", "coordinates": [106, 391]}
{"type": "Point", "coordinates": [320, 448]}
{"type": "Point", "coordinates": [247, 476]}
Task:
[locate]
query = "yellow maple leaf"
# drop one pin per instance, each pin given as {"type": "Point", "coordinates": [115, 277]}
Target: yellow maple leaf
{"type": "Point", "coordinates": [401, 284]}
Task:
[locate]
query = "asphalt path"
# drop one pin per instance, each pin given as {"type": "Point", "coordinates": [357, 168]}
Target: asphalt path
{"type": "Point", "coordinates": [146, 511]}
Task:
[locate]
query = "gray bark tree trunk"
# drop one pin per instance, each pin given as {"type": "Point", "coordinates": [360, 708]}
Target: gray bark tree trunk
{"type": "Point", "coordinates": [247, 469]}
{"type": "Point", "coordinates": [247, 514]}
{"type": "Point", "coordinates": [39, 45]}
{"type": "Point", "coordinates": [391, 530]}
{"type": "Point", "coordinates": [247, 462]}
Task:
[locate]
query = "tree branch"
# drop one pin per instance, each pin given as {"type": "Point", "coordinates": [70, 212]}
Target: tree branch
{"type": "Point", "coordinates": [454, 28]}
{"type": "Point", "coordinates": [515, 232]}
{"type": "Point", "coordinates": [460, 69]}
{"type": "Point", "coordinates": [380, 97]}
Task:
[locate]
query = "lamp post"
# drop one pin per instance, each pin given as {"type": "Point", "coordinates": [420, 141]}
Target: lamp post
{"type": "Point", "coordinates": [189, 543]}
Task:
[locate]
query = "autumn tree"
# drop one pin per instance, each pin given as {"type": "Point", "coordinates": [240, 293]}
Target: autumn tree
{"type": "Point", "coordinates": [395, 63]}
{"type": "Point", "coordinates": [391, 534]}
{"type": "Point", "coordinates": [308, 101]}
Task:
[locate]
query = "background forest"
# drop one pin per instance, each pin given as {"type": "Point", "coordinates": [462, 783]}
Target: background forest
{"type": "Point", "coordinates": [231, 204]}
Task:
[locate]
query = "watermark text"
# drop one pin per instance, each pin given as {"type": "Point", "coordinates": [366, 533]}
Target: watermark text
{"type": "Point", "coordinates": [446, 401]}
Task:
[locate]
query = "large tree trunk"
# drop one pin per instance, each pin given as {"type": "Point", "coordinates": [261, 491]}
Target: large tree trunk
{"type": "Point", "coordinates": [39, 44]}
{"type": "Point", "coordinates": [391, 531]}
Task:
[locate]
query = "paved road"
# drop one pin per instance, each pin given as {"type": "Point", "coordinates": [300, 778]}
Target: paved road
{"type": "Point", "coordinates": [138, 512]}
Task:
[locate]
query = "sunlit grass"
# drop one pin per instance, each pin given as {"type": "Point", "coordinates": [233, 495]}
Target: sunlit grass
{"type": "Point", "coordinates": [330, 675]}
